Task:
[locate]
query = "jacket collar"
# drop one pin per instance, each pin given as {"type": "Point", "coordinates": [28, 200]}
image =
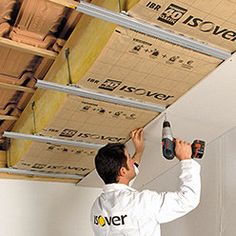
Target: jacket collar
{"type": "Point", "coordinates": [115, 186]}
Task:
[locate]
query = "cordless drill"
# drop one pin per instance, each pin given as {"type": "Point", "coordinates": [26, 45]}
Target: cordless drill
{"type": "Point", "coordinates": [168, 144]}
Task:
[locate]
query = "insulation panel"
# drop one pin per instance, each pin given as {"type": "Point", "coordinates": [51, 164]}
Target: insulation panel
{"type": "Point", "coordinates": [82, 120]}
{"type": "Point", "coordinates": [145, 68]}
{"type": "Point", "coordinates": [213, 22]}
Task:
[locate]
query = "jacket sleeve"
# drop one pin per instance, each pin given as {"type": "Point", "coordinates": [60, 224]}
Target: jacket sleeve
{"type": "Point", "coordinates": [136, 173]}
{"type": "Point", "coordinates": [168, 206]}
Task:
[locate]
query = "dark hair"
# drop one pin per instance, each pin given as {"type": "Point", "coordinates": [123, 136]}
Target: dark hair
{"type": "Point", "coordinates": [109, 160]}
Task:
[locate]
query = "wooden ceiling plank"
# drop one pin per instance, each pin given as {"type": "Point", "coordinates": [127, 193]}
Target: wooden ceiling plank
{"type": "Point", "coordinates": [16, 87]}
{"type": "Point", "coordinates": [66, 3]}
{"type": "Point", "coordinates": [34, 178]}
{"type": "Point", "coordinates": [27, 48]}
{"type": "Point", "coordinates": [5, 117]}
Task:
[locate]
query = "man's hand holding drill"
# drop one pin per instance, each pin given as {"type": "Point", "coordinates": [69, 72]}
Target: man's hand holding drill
{"type": "Point", "coordinates": [183, 150]}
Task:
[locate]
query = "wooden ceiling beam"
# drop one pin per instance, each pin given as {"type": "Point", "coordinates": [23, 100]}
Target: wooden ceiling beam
{"type": "Point", "coordinates": [66, 3]}
{"type": "Point", "coordinates": [5, 117]}
{"type": "Point", "coordinates": [16, 87]}
{"type": "Point", "coordinates": [27, 48]}
{"type": "Point", "coordinates": [34, 178]}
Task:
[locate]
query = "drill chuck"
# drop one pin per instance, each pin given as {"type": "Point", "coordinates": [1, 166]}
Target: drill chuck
{"type": "Point", "coordinates": [166, 131]}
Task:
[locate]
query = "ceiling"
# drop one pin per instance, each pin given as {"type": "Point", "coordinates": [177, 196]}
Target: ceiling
{"type": "Point", "coordinates": [109, 60]}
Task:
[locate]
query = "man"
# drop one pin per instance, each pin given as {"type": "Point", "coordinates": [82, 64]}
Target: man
{"type": "Point", "coordinates": [121, 210]}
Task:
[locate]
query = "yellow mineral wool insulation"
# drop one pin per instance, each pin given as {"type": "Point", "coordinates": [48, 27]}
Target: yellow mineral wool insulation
{"type": "Point", "coordinates": [85, 44]}
{"type": "Point", "coordinates": [3, 159]}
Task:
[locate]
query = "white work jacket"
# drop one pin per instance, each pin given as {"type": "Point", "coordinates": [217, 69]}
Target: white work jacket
{"type": "Point", "coordinates": [122, 210]}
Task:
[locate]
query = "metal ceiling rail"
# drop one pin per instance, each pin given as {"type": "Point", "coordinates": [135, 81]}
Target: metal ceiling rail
{"type": "Point", "coordinates": [99, 96]}
{"type": "Point", "coordinates": [143, 27]}
{"type": "Point", "coordinates": [45, 139]}
{"type": "Point", "coordinates": [40, 174]}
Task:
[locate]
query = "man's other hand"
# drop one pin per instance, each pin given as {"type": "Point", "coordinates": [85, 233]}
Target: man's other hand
{"type": "Point", "coordinates": [138, 141]}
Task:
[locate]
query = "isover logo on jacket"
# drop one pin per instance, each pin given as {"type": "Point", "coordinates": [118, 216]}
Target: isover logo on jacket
{"type": "Point", "coordinates": [109, 220]}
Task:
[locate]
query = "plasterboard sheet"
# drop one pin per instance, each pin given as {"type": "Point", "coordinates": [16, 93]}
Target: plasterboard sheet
{"type": "Point", "coordinates": [212, 21]}
{"type": "Point", "coordinates": [83, 120]}
{"type": "Point", "coordinates": [138, 66]}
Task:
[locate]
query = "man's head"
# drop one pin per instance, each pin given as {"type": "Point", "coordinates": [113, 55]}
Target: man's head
{"type": "Point", "coordinates": [114, 164]}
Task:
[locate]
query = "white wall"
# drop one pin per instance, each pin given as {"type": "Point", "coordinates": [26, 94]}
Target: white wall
{"type": "Point", "coordinates": [30, 208]}
{"type": "Point", "coordinates": [216, 213]}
